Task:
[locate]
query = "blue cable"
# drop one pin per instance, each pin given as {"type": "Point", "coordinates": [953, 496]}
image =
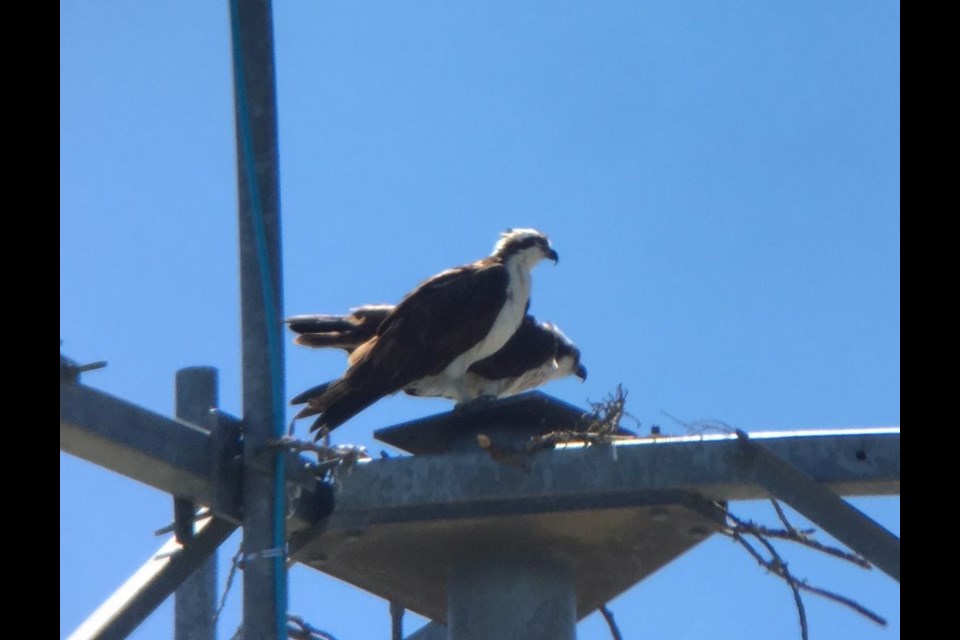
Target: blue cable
{"type": "Point", "coordinates": [266, 286]}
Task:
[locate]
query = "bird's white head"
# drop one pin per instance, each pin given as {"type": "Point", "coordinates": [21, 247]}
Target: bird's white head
{"type": "Point", "coordinates": [526, 246]}
{"type": "Point", "coordinates": [568, 355]}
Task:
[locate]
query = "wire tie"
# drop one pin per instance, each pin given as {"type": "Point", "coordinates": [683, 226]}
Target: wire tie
{"type": "Point", "coordinates": [276, 552]}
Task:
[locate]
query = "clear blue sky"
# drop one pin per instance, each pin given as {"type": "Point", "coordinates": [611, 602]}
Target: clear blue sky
{"type": "Point", "coordinates": [722, 181]}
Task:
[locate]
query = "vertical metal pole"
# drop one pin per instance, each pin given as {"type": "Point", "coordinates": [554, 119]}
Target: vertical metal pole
{"type": "Point", "coordinates": [264, 576]}
{"type": "Point", "coordinates": [512, 598]}
{"type": "Point", "coordinates": [195, 600]}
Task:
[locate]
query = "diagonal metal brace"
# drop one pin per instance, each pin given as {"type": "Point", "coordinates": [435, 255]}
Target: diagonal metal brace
{"type": "Point", "coordinates": [821, 506]}
{"type": "Point", "coordinates": [159, 576]}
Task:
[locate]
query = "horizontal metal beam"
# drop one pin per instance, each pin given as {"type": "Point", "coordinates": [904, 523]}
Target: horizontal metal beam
{"type": "Point", "coordinates": [853, 462]}
{"type": "Point", "coordinates": [143, 592]}
{"type": "Point", "coordinates": [423, 516]}
{"type": "Point", "coordinates": [174, 456]}
{"type": "Point", "coordinates": [166, 454]}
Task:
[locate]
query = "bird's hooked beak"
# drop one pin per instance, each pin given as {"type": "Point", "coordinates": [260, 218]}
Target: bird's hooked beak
{"type": "Point", "coordinates": [553, 255]}
{"type": "Point", "coordinates": [581, 372]}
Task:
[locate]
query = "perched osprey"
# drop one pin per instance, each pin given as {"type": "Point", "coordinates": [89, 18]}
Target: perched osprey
{"type": "Point", "coordinates": [534, 355]}
{"type": "Point", "coordinates": [438, 330]}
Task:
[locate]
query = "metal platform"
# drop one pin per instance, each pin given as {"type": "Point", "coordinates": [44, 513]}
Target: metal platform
{"type": "Point", "coordinates": [610, 515]}
{"type": "Point", "coordinates": [608, 549]}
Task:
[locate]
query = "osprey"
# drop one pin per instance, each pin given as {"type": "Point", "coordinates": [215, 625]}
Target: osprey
{"type": "Point", "coordinates": [438, 330]}
{"type": "Point", "coordinates": [534, 355]}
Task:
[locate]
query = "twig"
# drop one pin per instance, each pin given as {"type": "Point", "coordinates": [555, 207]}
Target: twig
{"type": "Point", "coordinates": [836, 597]}
{"type": "Point", "coordinates": [783, 519]}
{"type": "Point", "coordinates": [605, 417]}
{"type": "Point", "coordinates": [700, 427]}
{"type": "Point", "coordinates": [778, 568]}
{"type": "Point", "coordinates": [801, 537]}
{"type": "Point", "coordinates": [611, 623]}
{"type": "Point", "coordinates": [563, 437]}
{"type": "Point", "coordinates": [234, 565]}
{"type": "Point", "coordinates": [327, 457]}
{"type": "Point", "coordinates": [299, 629]}
{"type": "Point", "coordinates": [600, 426]}
{"type": "Point", "coordinates": [776, 565]}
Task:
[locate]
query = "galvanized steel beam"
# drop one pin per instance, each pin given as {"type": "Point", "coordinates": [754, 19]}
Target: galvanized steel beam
{"type": "Point", "coordinates": [143, 592]}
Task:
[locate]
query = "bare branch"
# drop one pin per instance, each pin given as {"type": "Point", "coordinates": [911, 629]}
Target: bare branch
{"type": "Point", "coordinates": [836, 597]}
{"type": "Point", "coordinates": [328, 457]}
{"type": "Point", "coordinates": [600, 426]}
{"type": "Point", "coordinates": [801, 537]}
{"type": "Point", "coordinates": [783, 518]}
{"type": "Point", "coordinates": [300, 629]}
{"type": "Point", "coordinates": [776, 565]}
{"type": "Point", "coordinates": [234, 565]}
{"type": "Point", "coordinates": [605, 416]}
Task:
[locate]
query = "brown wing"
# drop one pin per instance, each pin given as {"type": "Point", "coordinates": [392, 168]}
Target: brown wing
{"type": "Point", "coordinates": [444, 317]}
{"type": "Point", "coordinates": [441, 319]}
{"type": "Point", "coordinates": [529, 348]}
{"type": "Point", "coordinates": [339, 332]}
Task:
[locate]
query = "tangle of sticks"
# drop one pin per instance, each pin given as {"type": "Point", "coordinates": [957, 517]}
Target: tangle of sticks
{"type": "Point", "coordinates": [743, 531]}
{"type": "Point", "coordinates": [601, 425]}
{"type": "Point", "coordinates": [299, 629]}
{"type": "Point", "coordinates": [328, 457]}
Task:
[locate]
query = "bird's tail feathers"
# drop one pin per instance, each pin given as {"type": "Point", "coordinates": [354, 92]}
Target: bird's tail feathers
{"type": "Point", "coordinates": [313, 394]}
{"type": "Point", "coordinates": [335, 402]}
{"type": "Point", "coordinates": [344, 407]}
{"type": "Point", "coordinates": [339, 332]}
{"type": "Point", "coordinates": [319, 323]}
{"type": "Point", "coordinates": [346, 340]}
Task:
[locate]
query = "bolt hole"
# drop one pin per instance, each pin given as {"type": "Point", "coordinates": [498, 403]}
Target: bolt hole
{"type": "Point", "coordinates": [861, 455]}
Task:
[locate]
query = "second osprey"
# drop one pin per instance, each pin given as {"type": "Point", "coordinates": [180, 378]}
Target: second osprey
{"type": "Point", "coordinates": [535, 354]}
{"type": "Point", "coordinates": [438, 330]}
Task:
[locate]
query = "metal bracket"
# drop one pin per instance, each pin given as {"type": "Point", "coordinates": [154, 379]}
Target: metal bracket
{"type": "Point", "coordinates": [822, 506]}
{"type": "Point", "coordinates": [70, 369]}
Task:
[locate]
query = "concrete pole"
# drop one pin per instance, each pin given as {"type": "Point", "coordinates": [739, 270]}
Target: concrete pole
{"type": "Point", "coordinates": [512, 597]}
{"type": "Point", "coordinates": [195, 600]}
